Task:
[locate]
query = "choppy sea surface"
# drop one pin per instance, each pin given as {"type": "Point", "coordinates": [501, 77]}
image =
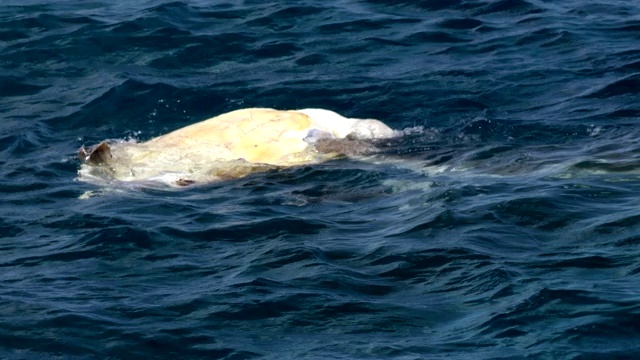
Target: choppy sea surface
{"type": "Point", "coordinates": [506, 225]}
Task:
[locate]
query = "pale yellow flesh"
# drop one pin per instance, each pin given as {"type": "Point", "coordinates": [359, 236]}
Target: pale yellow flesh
{"type": "Point", "coordinates": [230, 145]}
{"type": "Point", "coordinates": [263, 136]}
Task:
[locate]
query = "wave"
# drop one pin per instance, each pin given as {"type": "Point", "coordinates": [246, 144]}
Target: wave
{"type": "Point", "coordinates": [503, 224]}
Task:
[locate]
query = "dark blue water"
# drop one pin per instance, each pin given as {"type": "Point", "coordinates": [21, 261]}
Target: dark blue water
{"type": "Point", "coordinates": [509, 227]}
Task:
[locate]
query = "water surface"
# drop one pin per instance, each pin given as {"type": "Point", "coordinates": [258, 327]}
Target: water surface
{"type": "Point", "coordinates": [508, 227]}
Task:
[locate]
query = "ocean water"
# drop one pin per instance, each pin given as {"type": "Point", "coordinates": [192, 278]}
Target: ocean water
{"type": "Point", "coordinates": [504, 225]}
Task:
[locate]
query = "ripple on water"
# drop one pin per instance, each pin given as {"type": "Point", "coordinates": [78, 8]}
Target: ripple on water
{"type": "Point", "coordinates": [506, 227]}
